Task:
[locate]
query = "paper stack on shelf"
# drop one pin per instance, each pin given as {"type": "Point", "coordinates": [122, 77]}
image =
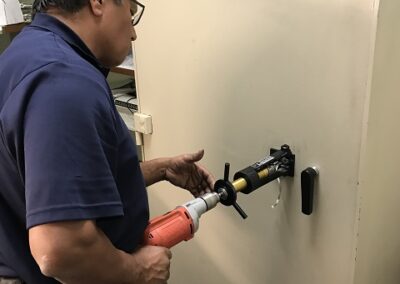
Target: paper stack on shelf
{"type": "Point", "coordinates": [126, 105]}
{"type": "Point", "coordinates": [10, 12]}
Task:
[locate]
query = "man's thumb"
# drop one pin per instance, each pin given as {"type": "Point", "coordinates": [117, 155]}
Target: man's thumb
{"type": "Point", "coordinates": [195, 157]}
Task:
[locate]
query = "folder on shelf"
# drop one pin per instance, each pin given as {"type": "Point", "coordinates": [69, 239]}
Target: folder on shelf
{"type": "Point", "coordinates": [10, 12]}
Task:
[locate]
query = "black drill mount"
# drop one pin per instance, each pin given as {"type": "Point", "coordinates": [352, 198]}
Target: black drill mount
{"type": "Point", "coordinates": [279, 163]}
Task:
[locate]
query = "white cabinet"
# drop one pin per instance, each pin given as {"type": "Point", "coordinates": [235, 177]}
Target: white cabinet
{"type": "Point", "coordinates": [239, 77]}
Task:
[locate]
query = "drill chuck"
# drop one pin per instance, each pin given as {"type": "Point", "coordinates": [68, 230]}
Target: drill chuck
{"type": "Point", "coordinates": [200, 205]}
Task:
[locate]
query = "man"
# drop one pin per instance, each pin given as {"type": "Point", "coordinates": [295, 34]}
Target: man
{"type": "Point", "coordinates": [73, 204]}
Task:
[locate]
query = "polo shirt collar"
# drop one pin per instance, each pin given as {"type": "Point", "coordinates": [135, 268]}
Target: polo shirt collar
{"type": "Point", "coordinates": [45, 21]}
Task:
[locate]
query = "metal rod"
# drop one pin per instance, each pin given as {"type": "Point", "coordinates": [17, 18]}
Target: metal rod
{"type": "Point", "coordinates": [241, 184]}
{"type": "Point", "coordinates": [226, 171]}
{"type": "Point", "coordinates": [240, 210]}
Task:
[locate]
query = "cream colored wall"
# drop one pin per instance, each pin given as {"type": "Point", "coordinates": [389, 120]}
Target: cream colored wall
{"type": "Point", "coordinates": [239, 77]}
{"type": "Point", "coordinates": [378, 249]}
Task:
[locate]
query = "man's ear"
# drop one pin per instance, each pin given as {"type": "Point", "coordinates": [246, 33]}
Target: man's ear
{"type": "Point", "coordinates": [97, 7]}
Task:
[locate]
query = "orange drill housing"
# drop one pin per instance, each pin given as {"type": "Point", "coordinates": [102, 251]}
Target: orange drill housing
{"type": "Point", "coordinates": [169, 229]}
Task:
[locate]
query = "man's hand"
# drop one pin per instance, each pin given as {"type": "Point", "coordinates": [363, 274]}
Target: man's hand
{"type": "Point", "coordinates": [79, 252]}
{"type": "Point", "coordinates": [183, 171]}
{"type": "Point", "coordinates": [153, 264]}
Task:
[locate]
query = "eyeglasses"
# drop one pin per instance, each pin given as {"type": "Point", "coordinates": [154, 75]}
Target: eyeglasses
{"type": "Point", "coordinates": [138, 14]}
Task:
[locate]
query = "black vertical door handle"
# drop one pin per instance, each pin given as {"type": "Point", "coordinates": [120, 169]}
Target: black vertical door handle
{"type": "Point", "coordinates": [308, 177]}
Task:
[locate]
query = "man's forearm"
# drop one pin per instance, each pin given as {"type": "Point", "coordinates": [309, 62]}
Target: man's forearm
{"type": "Point", "coordinates": [88, 258]}
{"type": "Point", "coordinates": [154, 170]}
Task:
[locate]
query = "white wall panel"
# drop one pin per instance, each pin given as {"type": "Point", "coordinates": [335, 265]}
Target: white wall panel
{"type": "Point", "coordinates": [378, 246]}
{"type": "Point", "coordinates": [239, 77]}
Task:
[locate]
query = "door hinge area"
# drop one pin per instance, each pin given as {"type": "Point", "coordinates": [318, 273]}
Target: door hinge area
{"type": "Point", "coordinates": [143, 123]}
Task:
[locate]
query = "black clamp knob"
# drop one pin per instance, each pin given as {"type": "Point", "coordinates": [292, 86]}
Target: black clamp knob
{"type": "Point", "coordinates": [308, 177]}
{"type": "Point", "coordinates": [230, 195]}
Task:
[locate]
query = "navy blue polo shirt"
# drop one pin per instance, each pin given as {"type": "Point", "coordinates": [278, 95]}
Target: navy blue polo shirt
{"type": "Point", "coordinates": [65, 153]}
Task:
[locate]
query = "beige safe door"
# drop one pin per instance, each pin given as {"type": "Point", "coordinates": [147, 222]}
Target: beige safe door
{"type": "Point", "coordinates": [239, 77]}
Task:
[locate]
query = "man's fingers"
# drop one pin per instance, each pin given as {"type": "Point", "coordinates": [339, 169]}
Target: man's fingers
{"type": "Point", "coordinates": [169, 253]}
{"type": "Point", "coordinates": [210, 179]}
{"type": "Point", "coordinates": [194, 157]}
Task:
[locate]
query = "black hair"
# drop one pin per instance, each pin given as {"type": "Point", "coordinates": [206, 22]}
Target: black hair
{"type": "Point", "coordinates": [70, 6]}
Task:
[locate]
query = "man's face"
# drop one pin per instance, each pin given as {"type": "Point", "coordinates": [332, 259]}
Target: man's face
{"type": "Point", "coordinates": [118, 31]}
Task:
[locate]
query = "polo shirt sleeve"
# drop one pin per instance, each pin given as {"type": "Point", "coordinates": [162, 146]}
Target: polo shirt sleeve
{"type": "Point", "coordinates": [70, 145]}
